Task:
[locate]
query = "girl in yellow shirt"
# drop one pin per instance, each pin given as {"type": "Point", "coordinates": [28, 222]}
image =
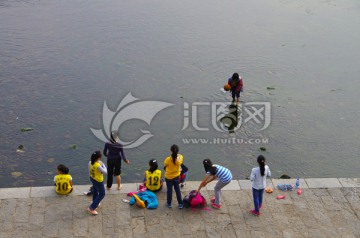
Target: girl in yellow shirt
{"type": "Point", "coordinates": [97, 170]}
{"type": "Point", "coordinates": [153, 180]}
{"type": "Point", "coordinates": [63, 180]}
{"type": "Point", "coordinates": [172, 166]}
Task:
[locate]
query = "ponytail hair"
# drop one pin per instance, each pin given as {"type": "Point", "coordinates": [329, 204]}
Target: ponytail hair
{"type": "Point", "coordinates": [153, 165]}
{"type": "Point", "coordinates": [261, 161]}
{"type": "Point", "coordinates": [95, 156]}
{"type": "Point", "coordinates": [208, 166]}
{"type": "Point", "coordinates": [113, 137]}
{"type": "Point", "coordinates": [174, 150]}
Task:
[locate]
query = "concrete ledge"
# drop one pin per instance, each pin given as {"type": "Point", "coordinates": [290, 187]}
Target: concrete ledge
{"type": "Point", "coordinates": [350, 182]}
{"type": "Point", "coordinates": [6, 193]}
{"type": "Point", "coordinates": [303, 183]}
{"type": "Point", "coordinates": [49, 191]}
{"type": "Point", "coordinates": [323, 183]}
{"type": "Point", "coordinates": [246, 184]}
{"type": "Point", "coordinates": [233, 185]}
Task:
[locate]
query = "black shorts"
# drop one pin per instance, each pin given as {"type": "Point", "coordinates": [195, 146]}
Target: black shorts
{"type": "Point", "coordinates": [114, 167]}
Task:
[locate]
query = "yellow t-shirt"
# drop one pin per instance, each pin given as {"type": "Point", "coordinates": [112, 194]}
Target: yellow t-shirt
{"type": "Point", "coordinates": [62, 183]}
{"type": "Point", "coordinates": [173, 170]}
{"type": "Point", "coordinates": [95, 173]}
{"type": "Point", "coordinates": [153, 180]}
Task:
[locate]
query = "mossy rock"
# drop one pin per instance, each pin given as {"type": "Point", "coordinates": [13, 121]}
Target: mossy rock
{"type": "Point", "coordinates": [16, 174]}
{"type": "Point", "coordinates": [25, 129]}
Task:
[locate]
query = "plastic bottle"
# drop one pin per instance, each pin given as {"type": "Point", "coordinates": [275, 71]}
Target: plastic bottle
{"type": "Point", "coordinates": [297, 184]}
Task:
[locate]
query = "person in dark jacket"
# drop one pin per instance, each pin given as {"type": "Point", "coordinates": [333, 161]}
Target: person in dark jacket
{"type": "Point", "coordinates": [114, 152]}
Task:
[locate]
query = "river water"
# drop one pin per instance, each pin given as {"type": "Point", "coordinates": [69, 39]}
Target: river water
{"type": "Point", "coordinates": [61, 60]}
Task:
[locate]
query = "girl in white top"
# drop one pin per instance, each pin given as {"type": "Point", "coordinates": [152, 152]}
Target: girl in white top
{"type": "Point", "coordinates": [258, 182]}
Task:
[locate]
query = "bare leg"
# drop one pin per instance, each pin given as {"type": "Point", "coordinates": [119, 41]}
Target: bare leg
{"type": "Point", "coordinates": [118, 181]}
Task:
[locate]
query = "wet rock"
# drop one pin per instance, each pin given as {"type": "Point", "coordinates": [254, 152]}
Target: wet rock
{"type": "Point", "coordinates": [16, 174]}
{"type": "Point", "coordinates": [285, 176]}
{"type": "Point", "coordinates": [20, 148]}
{"type": "Point", "coordinates": [25, 129]}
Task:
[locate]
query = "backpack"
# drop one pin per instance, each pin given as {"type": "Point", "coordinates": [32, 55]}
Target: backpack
{"type": "Point", "coordinates": [194, 199]}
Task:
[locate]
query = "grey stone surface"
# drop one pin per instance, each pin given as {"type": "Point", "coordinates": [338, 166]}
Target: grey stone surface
{"type": "Point", "coordinates": [350, 182]}
{"type": "Point", "coordinates": [317, 212]}
{"type": "Point", "coordinates": [14, 193]}
{"type": "Point", "coordinates": [303, 182]}
{"type": "Point", "coordinates": [323, 183]}
{"type": "Point", "coordinates": [245, 184]}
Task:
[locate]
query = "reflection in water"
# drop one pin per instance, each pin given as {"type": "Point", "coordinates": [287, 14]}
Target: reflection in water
{"type": "Point", "coordinates": [231, 119]}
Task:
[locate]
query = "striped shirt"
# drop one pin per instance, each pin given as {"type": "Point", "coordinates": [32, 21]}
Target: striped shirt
{"type": "Point", "coordinates": [223, 173]}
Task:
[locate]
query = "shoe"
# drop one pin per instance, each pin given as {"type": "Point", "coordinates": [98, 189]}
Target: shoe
{"type": "Point", "coordinates": [212, 200]}
{"type": "Point", "coordinates": [169, 206]}
{"type": "Point", "coordinates": [255, 213]}
{"type": "Point", "coordinates": [181, 206]}
{"type": "Point", "coordinates": [216, 206]}
{"type": "Point", "coordinates": [93, 212]}
{"type": "Point", "coordinates": [182, 185]}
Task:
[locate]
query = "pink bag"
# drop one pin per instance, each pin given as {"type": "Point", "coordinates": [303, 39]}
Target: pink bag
{"type": "Point", "coordinates": [198, 201]}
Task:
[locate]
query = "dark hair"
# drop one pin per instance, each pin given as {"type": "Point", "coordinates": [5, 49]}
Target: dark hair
{"type": "Point", "coordinates": [235, 76]}
{"type": "Point", "coordinates": [208, 166]}
{"type": "Point", "coordinates": [261, 161]}
{"type": "Point", "coordinates": [113, 136]}
{"type": "Point", "coordinates": [175, 150]}
{"type": "Point", "coordinates": [153, 165]}
{"type": "Point", "coordinates": [63, 169]}
{"type": "Point", "coordinates": [95, 156]}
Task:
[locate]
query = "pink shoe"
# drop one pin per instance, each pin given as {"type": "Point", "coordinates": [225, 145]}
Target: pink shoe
{"type": "Point", "coordinates": [255, 213]}
{"type": "Point", "coordinates": [216, 206]}
{"type": "Point", "coordinates": [93, 212]}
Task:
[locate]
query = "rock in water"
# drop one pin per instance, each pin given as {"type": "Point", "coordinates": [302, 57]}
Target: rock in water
{"type": "Point", "coordinates": [285, 176]}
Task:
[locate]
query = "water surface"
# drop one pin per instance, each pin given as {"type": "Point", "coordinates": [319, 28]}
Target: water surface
{"type": "Point", "coordinates": [60, 60]}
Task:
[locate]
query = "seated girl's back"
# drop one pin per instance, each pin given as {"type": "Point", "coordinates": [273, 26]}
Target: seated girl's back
{"type": "Point", "coordinates": [153, 175]}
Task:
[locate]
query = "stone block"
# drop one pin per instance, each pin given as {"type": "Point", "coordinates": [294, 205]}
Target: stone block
{"type": "Point", "coordinates": [323, 183]}
{"type": "Point", "coordinates": [6, 193]}
{"type": "Point", "coordinates": [350, 182]}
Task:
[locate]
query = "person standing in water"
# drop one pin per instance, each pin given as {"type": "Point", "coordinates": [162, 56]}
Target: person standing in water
{"type": "Point", "coordinates": [236, 86]}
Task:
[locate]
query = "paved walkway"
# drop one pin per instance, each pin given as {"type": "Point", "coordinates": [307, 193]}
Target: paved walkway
{"type": "Point", "coordinates": [326, 208]}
